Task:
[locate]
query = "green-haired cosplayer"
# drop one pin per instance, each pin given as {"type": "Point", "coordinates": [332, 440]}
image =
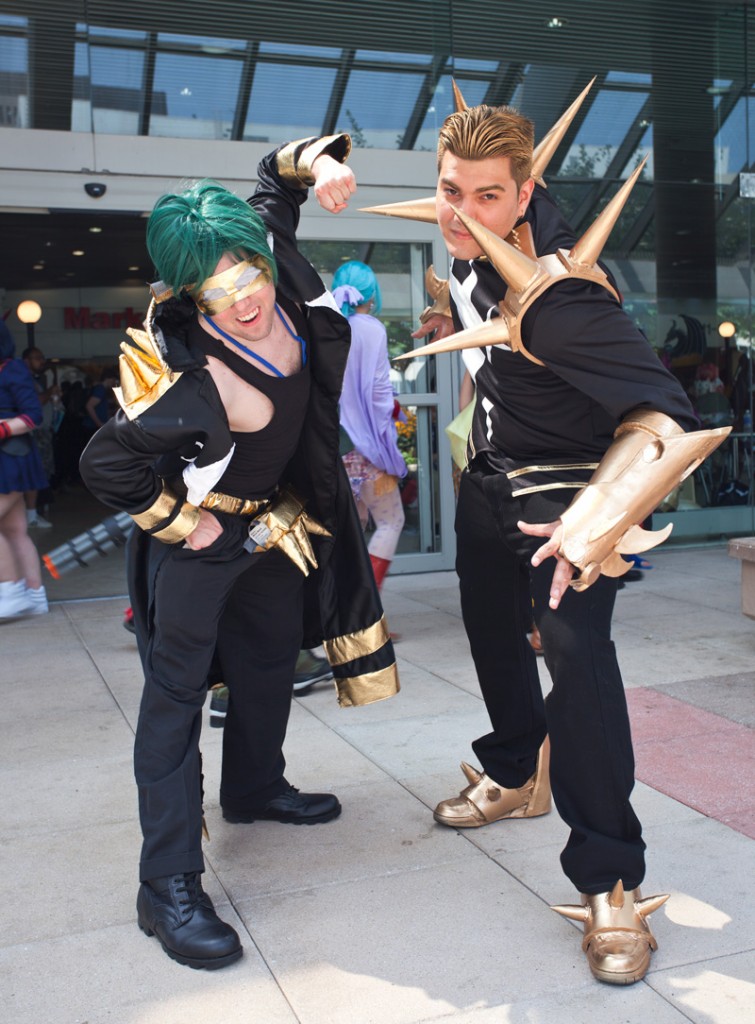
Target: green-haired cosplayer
{"type": "Point", "coordinates": [225, 452]}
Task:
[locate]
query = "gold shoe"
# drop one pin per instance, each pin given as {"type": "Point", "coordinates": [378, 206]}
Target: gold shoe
{"type": "Point", "coordinates": [484, 801]}
{"type": "Point", "coordinates": [618, 941]}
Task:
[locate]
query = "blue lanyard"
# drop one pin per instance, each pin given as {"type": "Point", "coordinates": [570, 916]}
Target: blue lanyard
{"type": "Point", "coordinates": [255, 355]}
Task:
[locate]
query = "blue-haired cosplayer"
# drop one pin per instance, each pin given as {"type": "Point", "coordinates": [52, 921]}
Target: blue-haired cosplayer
{"type": "Point", "coordinates": [225, 452]}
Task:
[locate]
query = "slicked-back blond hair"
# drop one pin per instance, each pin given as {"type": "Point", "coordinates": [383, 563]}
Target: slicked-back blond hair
{"type": "Point", "coordinates": [479, 133]}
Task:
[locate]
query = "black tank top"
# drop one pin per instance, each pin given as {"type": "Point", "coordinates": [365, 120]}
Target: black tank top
{"type": "Point", "coordinates": [261, 456]}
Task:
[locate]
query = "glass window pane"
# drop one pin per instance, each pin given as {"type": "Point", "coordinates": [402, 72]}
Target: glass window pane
{"type": "Point", "coordinates": [14, 82]}
{"type": "Point", "coordinates": [377, 106]}
{"type": "Point", "coordinates": [473, 65]}
{"type": "Point", "coordinates": [629, 77]}
{"type": "Point", "coordinates": [294, 50]}
{"type": "Point", "coordinates": [395, 58]}
{"type": "Point", "coordinates": [287, 102]}
{"type": "Point", "coordinates": [442, 104]}
{"type": "Point", "coordinates": [114, 33]}
{"type": "Point", "coordinates": [107, 90]}
{"type": "Point", "coordinates": [609, 119]}
{"type": "Point", "coordinates": [730, 143]}
{"type": "Point", "coordinates": [418, 443]}
{"type": "Point", "coordinates": [194, 97]}
{"type": "Point", "coordinates": [206, 43]}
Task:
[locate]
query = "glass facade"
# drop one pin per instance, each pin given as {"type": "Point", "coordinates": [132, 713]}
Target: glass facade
{"type": "Point", "coordinates": [673, 86]}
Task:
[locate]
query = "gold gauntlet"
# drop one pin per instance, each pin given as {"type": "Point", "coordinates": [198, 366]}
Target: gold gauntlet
{"type": "Point", "coordinates": [649, 456]}
{"type": "Point", "coordinates": [287, 526]}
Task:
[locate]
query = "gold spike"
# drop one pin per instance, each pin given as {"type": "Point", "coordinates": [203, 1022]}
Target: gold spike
{"type": "Point", "coordinates": [637, 540]}
{"type": "Point", "coordinates": [649, 904]}
{"type": "Point", "coordinates": [459, 100]}
{"type": "Point", "coordinates": [615, 565]}
{"type": "Point", "coordinates": [616, 899]}
{"type": "Point", "coordinates": [588, 249]}
{"type": "Point", "coordinates": [413, 209]}
{"type": "Point", "coordinates": [548, 145]}
{"type": "Point", "coordinates": [516, 269]}
{"type": "Point", "coordinates": [492, 332]}
{"type": "Point", "coordinates": [572, 911]}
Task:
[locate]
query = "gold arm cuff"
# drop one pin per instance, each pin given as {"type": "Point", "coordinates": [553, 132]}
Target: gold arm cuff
{"type": "Point", "coordinates": [368, 688]}
{"type": "Point", "coordinates": [160, 510]}
{"type": "Point", "coordinates": [297, 170]}
{"type": "Point", "coordinates": [184, 523]}
{"type": "Point", "coordinates": [343, 649]}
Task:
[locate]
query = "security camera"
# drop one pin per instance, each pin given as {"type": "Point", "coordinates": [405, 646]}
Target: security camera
{"type": "Point", "coordinates": [95, 189]}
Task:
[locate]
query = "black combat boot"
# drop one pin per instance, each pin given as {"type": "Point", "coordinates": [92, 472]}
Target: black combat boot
{"type": "Point", "coordinates": [181, 914]}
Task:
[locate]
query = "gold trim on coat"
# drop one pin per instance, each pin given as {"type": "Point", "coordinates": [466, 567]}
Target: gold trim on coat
{"type": "Point", "coordinates": [343, 649]}
{"type": "Point", "coordinates": [367, 688]}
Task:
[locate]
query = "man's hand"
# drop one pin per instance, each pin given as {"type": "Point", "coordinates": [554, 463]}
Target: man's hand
{"type": "Point", "coordinates": [205, 532]}
{"type": "Point", "coordinates": [564, 570]}
{"type": "Point", "coordinates": [334, 183]}
{"type": "Point", "coordinates": [443, 326]}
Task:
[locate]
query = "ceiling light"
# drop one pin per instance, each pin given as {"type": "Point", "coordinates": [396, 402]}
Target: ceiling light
{"type": "Point", "coordinates": [38, 266]}
{"type": "Point", "coordinates": [133, 268]}
{"type": "Point", "coordinates": [77, 252]}
{"type": "Point", "coordinates": [95, 230]}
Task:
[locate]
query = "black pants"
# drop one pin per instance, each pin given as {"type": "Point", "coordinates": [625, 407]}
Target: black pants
{"type": "Point", "coordinates": [250, 608]}
{"type": "Point", "coordinates": [585, 715]}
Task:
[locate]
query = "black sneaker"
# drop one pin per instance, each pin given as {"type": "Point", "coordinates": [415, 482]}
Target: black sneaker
{"type": "Point", "coordinates": [180, 913]}
{"type": "Point", "coordinates": [310, 669]}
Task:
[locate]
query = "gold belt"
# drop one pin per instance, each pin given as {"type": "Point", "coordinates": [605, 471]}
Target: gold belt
{"type": "Point", "coordinates": [234, 506]}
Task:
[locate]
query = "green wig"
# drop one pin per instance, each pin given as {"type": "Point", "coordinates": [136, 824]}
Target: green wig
{"type": "Point", "coordinates": [188, 232]}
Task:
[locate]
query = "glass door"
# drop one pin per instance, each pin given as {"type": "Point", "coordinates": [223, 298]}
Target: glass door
{"type": "Point", "coordinates": [424, 388]}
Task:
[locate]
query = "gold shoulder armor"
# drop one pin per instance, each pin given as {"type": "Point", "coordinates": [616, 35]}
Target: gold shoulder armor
{"type": "Point", "coordinates": [145, 375]}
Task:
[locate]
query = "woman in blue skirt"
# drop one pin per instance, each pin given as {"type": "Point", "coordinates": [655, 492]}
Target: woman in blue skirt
{"type": "Point", "coordinates": [21, 590]}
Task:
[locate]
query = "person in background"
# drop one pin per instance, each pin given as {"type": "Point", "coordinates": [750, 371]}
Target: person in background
{"type": "Point", "coordinates": [49, 398]}
{"type": "Point", "coordinates": [21, 589]}
{"type": "Point", "coordinates": [98, 406]}
{"type": "Point", "coordinates": [369, 410]}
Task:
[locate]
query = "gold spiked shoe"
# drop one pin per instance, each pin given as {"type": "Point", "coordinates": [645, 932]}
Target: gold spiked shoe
{"type": "Point", "coordinates": [618, 941]}
{"type": "Point", "coordinates": [484, 801]}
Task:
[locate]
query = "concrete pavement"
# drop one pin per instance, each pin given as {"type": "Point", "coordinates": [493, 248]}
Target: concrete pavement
{"type": "Point", "coordinates": [381, 917]}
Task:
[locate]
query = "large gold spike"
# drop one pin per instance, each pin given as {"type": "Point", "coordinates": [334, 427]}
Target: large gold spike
{"type": "Point", "coordinates": [460, 102]}
{"type": "Point", "coordinates": [516, 269]}
{"type": "Point", "coordinates": [548, 145]}
{"type": "Point", "coordinates": [492, 332]}
{"type": "Point", "coordinates": [413, 209]}
{"type": "Point", "coordinates": [587, 250]}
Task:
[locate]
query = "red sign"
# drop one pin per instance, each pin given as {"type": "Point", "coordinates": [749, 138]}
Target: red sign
{"type": "Point", "coordinates": [84, 319]}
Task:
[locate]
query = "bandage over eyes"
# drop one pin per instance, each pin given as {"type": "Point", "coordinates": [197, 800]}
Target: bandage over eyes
{"type": "Point", "coordinates": [221, 291]}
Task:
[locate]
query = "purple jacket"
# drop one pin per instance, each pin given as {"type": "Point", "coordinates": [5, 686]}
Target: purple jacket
{"type": "Point", "coordinates": [367, 396]}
